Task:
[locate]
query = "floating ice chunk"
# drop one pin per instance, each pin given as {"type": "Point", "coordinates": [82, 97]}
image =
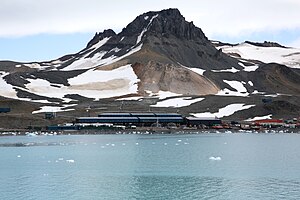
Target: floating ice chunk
{"type": "Point", "coordinates": [165, 143]}
{"type": "Point", "coordinates": [215, 158]}
{"type": "Point", "coordinates": [113, 145]}
{"type": "Point", "coordinates": [31, 134]}
{"type": "Point", "coordinates": [123, 144]}
{"type": "Point", "coordinates": [70, 161]}
{"type": "Point", "coordinates": [19, 156]}
{"type": "Point", "coordinates": [179, 140]}
{"type": "Point", "coordinates": [137, 143]}
{"type": "Point", "coordinates": [61, 159]}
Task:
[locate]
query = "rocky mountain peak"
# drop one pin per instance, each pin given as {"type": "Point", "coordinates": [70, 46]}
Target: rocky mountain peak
{"type": "Point", "coordinates": [171, 22]}
{"type": "Point", "coordinates": [100, 36]}
{"type": "Point", "coordinates": [164, 23]}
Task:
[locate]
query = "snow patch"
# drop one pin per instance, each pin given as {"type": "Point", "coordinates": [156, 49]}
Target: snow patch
{"type": "Point", "coordinates": [54, 109]}
{"type": "Point", "coordinates": [272, 95]}
{"type": "Point", "coordinates": [100, 43]}
{"type": "Point", "coordinates": [177, 102]}
{"type": "Point", "coordinates": [162, 94]}
{"type": "Point", "coordinates": [130, 99]}
{"type": "Point", "coordinates": [226, 111]}
{"type": "Point", "coordinates": [232, 70]}
{"type": "Point", "coordinates": [6, 90]}
{"type": "Point", "coordinates": [115, 50]}
{"type": "Point", "coordinates": [257, 92]}
{"type": "Point", "coordinates": [259, 118]}
{"type": "Point", "coordinates": [33, 65]}
{"type": "Point", "coordinates": [239, 86]}
{"type": "Point", "coordinates": [250, 68]}
{"type": "Point", "coordinates": [198, 71]}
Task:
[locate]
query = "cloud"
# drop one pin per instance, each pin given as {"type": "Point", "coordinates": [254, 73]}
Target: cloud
{"type": "Point", "coordinates": [215, 17]}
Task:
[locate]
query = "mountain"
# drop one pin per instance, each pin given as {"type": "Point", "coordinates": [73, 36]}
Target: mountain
{"type": "Point", "coordinates": [157, 59]}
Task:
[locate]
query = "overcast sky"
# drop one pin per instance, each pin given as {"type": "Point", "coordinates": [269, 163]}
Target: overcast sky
{"type": "Point", "coordinates": [46, 29]}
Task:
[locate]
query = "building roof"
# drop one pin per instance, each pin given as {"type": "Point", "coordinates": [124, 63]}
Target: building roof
{"type": "Point", "coordinates": [115, 114]}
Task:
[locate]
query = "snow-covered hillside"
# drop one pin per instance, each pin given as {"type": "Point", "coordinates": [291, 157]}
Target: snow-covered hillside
{"type": "Point", "coordinates": [285, 56]}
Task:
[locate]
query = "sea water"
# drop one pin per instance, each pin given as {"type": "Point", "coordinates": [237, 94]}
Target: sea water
{"type": "Point", "coordinates": [177, 166]}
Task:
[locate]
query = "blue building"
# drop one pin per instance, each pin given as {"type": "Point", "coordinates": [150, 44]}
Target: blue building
{"type": "Point", "coordinates": [138, 119]}
{"type": "Point", "coordinates": [4, 110]}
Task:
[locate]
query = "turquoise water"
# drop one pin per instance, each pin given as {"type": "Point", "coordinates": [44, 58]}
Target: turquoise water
{"type": "Point", "coordinates": [204, 166]}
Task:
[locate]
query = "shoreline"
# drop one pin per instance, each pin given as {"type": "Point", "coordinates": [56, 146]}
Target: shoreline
{"type": "Point", "coordinates": [147, 131]}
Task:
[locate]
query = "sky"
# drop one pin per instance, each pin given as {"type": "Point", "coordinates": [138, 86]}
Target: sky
{"type": "Point", "coordinates": [40, 30]}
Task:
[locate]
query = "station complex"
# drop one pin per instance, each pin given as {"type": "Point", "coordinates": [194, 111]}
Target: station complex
{"type": "Point", "coordinates": [131, 120]}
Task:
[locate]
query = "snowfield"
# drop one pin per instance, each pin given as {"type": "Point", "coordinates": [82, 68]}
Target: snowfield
{"type": "Point", "coordinates": [94, 84]}
{"type": "Point", "coordinates": [286, 56]}
{"type": "Point", "coordinates": [226, 111]}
